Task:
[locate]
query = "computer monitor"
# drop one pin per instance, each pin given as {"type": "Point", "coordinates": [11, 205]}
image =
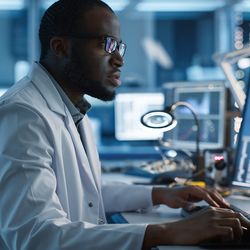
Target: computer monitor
{"type": "Point", "coordinates": [242, 158]}
{"type": "Point", "coordinates": [129, 107]}
{"type": "Point", "coordinates": [208, 100]}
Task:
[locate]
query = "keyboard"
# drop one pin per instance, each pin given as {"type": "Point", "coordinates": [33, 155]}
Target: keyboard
{"type": "Point", "coordinates": [195, 209]}
{"type": "Point", "coordinates": [237, 209]}
{"type": "Point", "coordinates": [226, 245]}
{"type": "Point", "coordinates": [243, 244]}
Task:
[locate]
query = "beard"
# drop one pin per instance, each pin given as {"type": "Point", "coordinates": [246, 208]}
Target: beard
{"type": "Point", "coordinates": [78, 80]}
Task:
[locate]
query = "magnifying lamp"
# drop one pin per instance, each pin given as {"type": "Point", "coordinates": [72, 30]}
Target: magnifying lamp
{"type": "Point", "coordinates": [159, 119]}
{"type": "Point", "coordinates": [164, 120]}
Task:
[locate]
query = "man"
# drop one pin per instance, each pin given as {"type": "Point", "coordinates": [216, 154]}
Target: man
{"type": "Point", "coordinates": [51, 195]}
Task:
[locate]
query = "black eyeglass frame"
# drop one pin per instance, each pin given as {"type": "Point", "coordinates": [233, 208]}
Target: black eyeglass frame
{"type": "Point", "coordinates": [107, 39]}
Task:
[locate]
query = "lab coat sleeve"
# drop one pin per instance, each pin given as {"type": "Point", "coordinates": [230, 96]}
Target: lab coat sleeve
{"type": "Point", "coordinates": [126, 197]}
{"type": "Point", "coordinates": [31, 216]}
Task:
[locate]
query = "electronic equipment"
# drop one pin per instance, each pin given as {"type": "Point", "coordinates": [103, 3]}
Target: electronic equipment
{"type": "Point", "coordinates": [218, 167]}
{"type": "Point", "coordinates": [229, 63]}
{"type": "Point", "coordinates": [217, 163]}
{"type": "Point", "coordinates": [129, 107]}
{"type": "Point", "coordinates": [241, 175]}
{"type": "Point", "coordinates": [208, 100]}
{"type": "Point", "coordinates": [197, 208]}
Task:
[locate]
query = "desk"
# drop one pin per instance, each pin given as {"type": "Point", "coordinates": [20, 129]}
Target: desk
{"type": "Point", "coordinates": [166, 214]}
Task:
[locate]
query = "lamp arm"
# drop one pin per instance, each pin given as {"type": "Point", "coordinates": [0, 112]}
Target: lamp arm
{"type": "Point", "coordinates": [188, 106]}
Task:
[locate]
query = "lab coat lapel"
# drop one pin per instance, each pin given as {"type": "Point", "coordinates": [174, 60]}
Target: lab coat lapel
{"type": "Point", "coordinates": [84, 165]}
{"type": "Point", "coordinates": [89, 144]}
{"type": "Point", "coordinates": [44, 84]}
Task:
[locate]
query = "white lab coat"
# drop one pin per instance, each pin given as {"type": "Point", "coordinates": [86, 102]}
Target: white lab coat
{"type": "Point", "coordinates": [51, 195]}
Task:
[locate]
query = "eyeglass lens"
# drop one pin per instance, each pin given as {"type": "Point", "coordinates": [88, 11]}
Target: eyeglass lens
{"type": "Point", "coordinates": [111, 44]}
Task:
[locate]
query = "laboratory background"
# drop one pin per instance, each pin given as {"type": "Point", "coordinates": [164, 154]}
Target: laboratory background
{"type": "Point", "coordinates": [189, 51]}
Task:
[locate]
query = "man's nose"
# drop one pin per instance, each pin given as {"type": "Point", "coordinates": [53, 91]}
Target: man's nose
{"type": "Point", "coordinates": [117, 59]}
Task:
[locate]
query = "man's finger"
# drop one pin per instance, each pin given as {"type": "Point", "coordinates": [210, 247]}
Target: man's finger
{"type": "Point", "coordinates": [218, 198]}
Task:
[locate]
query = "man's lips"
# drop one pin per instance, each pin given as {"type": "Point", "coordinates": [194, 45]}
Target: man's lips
{"type": "Point", "coordinates": [115, 78]}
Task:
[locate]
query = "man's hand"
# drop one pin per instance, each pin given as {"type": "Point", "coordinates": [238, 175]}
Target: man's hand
{"type": "Point", "coordinates": [183, 197]}
{"type": "Point", "coordinates": [213, 224]}
{"type": "Point", "coordinates": [216, 223]}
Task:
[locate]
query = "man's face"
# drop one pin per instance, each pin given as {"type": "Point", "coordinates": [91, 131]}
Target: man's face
{"type": "Point", "coordinates": [90, 69]}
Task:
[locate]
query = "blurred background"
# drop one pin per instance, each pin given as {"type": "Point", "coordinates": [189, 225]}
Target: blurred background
{"type": "Point", "coordinates": [172, 46]}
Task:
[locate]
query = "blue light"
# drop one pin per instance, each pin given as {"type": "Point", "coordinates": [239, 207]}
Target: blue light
{"type": "Point", "coordinates": [11, 4]}
{"type": "Point", "coordinates": [117, 5]}
{"type": "Point", "coordinates": [180, 5]}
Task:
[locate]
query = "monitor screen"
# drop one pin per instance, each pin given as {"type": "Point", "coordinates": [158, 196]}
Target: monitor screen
{"type": "Point", "coordinates": [208, 102]}
{"type": "Point", "coordinates": [242, 157]}
{"type": "Point", "coordinates": [129, 107]}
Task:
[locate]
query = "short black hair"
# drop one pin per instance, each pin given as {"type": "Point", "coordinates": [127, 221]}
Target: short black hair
{"type": "Point", "coordinates": [61, 19]}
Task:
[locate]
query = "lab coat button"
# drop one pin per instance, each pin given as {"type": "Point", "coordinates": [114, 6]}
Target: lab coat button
{"type": "Point", "coordinates": [100, 221]}
{"type": "Point", "coordinates": [90, 204]}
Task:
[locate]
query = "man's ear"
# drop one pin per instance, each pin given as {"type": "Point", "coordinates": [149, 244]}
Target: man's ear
{"type": "Point", "coordinates": [60, 46]}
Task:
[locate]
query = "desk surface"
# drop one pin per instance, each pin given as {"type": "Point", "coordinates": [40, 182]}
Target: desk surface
{"type": "Point", "coordinates": [166, 214]}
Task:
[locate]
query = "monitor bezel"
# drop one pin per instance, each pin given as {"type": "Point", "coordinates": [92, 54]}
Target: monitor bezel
{"type": "Point", "coordinates": [235, 182]}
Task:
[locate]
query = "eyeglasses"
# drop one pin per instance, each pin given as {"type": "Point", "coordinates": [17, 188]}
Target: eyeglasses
{"type": "Point", "coordinates": [110, 44]}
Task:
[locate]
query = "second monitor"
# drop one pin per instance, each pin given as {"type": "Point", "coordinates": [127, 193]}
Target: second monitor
{"type": "Point", "coordinates": [208, 101]}
{"type": "Point", "coordinates": [129, 107]}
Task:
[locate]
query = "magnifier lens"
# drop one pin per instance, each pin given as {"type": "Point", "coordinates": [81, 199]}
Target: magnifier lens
{"type": "Point", "coordinates": [157, 119]}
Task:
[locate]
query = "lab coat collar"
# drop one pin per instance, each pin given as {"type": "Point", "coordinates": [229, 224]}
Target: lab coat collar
{"type": "Point", "coordinates": [44, 84]}
{"type": "Point", "coordinates": [47, 89]}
